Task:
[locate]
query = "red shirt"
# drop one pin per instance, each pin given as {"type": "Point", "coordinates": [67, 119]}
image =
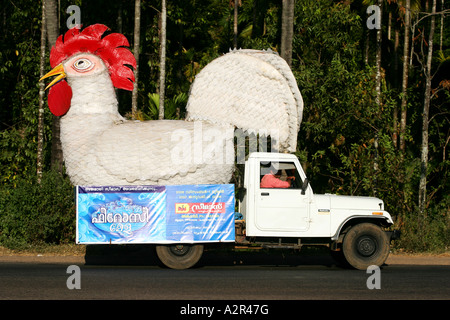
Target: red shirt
{"type": "Point", "coordinates": [270, 181]}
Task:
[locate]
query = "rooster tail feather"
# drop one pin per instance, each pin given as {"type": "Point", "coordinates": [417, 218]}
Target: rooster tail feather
{"type": "Point", "coordinates": [252, 90]}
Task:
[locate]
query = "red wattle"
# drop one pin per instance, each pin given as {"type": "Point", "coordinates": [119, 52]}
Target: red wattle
{"type": "Point", "coordinates": [59, 97]}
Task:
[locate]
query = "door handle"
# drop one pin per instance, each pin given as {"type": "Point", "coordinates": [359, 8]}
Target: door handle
{"type": "Point", "coordinates": [264, 193]}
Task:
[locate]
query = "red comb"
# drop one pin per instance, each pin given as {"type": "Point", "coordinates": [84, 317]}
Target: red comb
{"type": "Point", "coordinates": [109, 48]}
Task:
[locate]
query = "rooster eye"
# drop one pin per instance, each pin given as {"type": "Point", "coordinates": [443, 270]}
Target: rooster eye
{"type": "Point", "coordinates": [83, 65]}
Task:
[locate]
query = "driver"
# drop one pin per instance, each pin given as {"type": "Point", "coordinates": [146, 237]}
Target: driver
{"type": "Point", "coordinates": [272, 180]}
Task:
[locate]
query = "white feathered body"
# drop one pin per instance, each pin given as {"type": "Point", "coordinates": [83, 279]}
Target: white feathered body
{"type": "Point", "coordinates": [242, 89]}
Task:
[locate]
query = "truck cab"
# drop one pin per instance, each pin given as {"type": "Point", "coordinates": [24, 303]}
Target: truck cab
{"type": "Point", "coordinates": [290, 214]}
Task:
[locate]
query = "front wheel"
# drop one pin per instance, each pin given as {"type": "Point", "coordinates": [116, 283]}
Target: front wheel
{"type": "Point", "coordinates": [364, 245]}
{"type": "Point", "coordinates": [179, 256]}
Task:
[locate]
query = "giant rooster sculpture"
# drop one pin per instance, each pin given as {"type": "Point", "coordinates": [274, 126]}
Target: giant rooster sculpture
{"type": "Point", "coordinates": [246, 89]}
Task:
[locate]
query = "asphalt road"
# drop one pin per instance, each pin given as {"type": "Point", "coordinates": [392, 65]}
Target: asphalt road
{"type": "Point", "coordinates": [49, 281]}
{"type": "Point", "coordinates": [236, 277]}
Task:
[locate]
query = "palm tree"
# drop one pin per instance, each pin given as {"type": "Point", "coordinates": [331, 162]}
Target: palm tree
{"type": "Point", "coordinates": [405, 8]}
{"type": "Point", "coordinates": [51, 18]}
{"type": "Point", "coordinates": [40, 147]}
{"type": "Point", "coordinates": [403, 106]}
{"type": "Point", "coordinates": [426, 111]}
{"type": "Point", "coordinates": [287, 30]}
{"type": "Point", "coordinates": [162, 64]}
{"type": "Point", "coordinates": [137, 38]}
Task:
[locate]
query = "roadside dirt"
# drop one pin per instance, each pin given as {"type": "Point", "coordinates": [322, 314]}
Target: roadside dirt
{"type": "Point", "coordinates": [419, 259]}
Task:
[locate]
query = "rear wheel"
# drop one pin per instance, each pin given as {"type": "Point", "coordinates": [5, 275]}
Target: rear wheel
{"type": "Point", "coordinates": [364, 245]}
{"type": "Point", "coordinates": [179, 256]}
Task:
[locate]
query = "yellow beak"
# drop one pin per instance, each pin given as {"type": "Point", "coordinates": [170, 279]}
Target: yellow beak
{"type": "Point", "coordinates": [56, 71]}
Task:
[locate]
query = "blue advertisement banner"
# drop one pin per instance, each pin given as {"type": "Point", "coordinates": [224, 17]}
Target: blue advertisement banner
{"type": "Point", "coordinates": [155, 214]}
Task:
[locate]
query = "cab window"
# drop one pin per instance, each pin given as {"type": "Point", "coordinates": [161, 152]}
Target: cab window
{"type": "Point", "coordinates": [280, 175]}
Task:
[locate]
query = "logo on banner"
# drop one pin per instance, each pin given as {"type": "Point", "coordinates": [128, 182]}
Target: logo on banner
{"type": "Point", "coordinates": [182, 207]}
{"type": "Point", "coordinates": [200, 207]}
{"type": "Point", "coordinates": [121, 216]}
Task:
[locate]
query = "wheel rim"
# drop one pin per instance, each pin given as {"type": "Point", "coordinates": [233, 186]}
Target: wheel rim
{"type": "Point", "coordinates": [366, 246]}
{"type": "Point", "coordinates": [179, 249]}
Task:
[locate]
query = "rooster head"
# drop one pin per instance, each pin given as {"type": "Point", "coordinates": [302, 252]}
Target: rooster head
{"type": "Point", "coordinates": [79, 54]}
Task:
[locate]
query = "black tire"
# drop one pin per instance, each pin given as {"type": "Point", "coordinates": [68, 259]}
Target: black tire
{"type": "Point", "coordinates": [179, 256]}
{"type": "Point", "coordinates": [364, 245]}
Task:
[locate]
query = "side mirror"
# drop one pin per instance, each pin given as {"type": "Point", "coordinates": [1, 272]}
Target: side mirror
{"type": "Point", "coordinates": [305, 185]}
